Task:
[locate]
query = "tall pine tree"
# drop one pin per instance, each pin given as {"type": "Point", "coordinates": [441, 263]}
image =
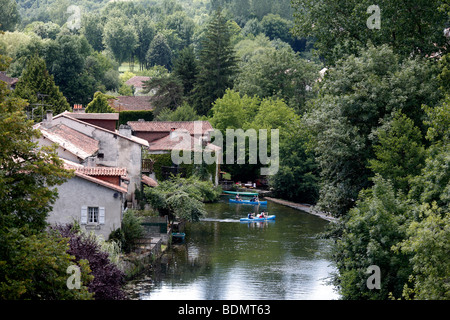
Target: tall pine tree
{"type": "Point", "coordinates": [217, 64]}
{"type": "Point", "coordinates": [37, 86]}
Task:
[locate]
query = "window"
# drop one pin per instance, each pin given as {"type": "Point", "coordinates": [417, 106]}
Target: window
{"type": "Point", "coordinates": [92, 214]}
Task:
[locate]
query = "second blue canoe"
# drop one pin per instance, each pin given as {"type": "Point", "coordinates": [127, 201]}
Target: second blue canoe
{"type": "Point", "coordinates": [248, 202]}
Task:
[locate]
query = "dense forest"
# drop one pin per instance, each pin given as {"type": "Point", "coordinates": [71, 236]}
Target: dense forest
{"type": "Point", "coordinates": [363, 113]}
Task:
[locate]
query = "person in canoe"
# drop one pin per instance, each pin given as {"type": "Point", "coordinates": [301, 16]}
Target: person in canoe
{"type": "Point", "coordinates": [255, 199]}
{"type": "Point", "coordinates": [237, 198]}
{"type": "Point", "coordinates": [262, 215]}
{"type": "Point", "coordinates": [250, 216]}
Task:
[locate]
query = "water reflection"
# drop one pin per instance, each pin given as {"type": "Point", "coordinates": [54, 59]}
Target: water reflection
{"type": "Point", "coordinates": [224, 259]}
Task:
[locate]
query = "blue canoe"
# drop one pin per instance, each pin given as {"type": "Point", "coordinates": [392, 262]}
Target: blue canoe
{"type": "Point", "coordinates": [248, 202]}
{"type": "Point", "coordinates": [272, 217]}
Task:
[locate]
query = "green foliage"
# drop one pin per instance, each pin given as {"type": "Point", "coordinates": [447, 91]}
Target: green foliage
{"type": "Point", "coordinates": [120, 37]}
{"type": "Point", "coordinates": [352, 99]}
{"type": "Point", "coordinates": [339, 27]}
{"type": "Point", "coordinates": [35, 81]}
{"type": "Point", "coordinates": [429, 243]}
{"type": "Point", "coordinates": [277, 73]}
{"type": "Point", "coordinates": [100, 104]}
{"type": "Point", "coordinates": [27, 172]}
{"type": "Point", "coordinates": [10, 15]}
{"type": "Point", "coordinates": [169, 92]}
{"type": "Point", "coordinates": [130, 231]}
{"type": "Point", "coordinates": [371, 228]}
{"type": "Point", "coordinates": [183, 113]}
{"type": "Point", "coordinates": [182, 198]}
{"type": "Point", "coordinates": [217, 64]}
{"type": "Point", "coordinates": [125, 116]}
{"type": "Point", "coordinates": [159, 52]}
{"type": "Point", "coordinates": [39, 268]}
{"type": "Point", "coordinates": [399, 152]}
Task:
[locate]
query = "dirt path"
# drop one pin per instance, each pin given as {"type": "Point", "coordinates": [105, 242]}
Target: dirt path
{"type": "Point", "coordinates": [303, 207]}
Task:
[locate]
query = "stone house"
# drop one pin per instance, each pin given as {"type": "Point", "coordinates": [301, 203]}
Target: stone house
{"type": "Point", "coordinates": [94, 146]}
{"type": "Point", "coordinates": [165, 137]}
{"type": "Point", "coordinates": [91, 199]}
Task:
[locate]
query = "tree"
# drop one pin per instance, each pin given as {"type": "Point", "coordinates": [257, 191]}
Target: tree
{"type": "Point", "coordinates": [169, 92]}
{"type": "Point", "coordinates": [277, 73]}
{"type": "Point", "coordinates": [37, 86]}
{"type": "Point", "coordinates": [108, 279]}
{"type": "Point", "coordinates": [340, 28]}
{"type": "Point", "coordinates": [352, 99]}
{"type": "Point", "coordinates": [100, 104]}
{"type": "Point", "coordinates": [159, 52]}
{"type": "Point", "coordinates": [92, 29]}
{"type": "Point", "coordinates": [399, 152]}
{"type": "Point", "coordinates": [186, 69]}
{"type": "Point", "coordinates": [27, 173]}
{"type": "Point", "coordinates": [367, 236]}
{"type": "Point", "coordinates": [121, 38]}
{"type": "Point", "coordinates": [29, 176]}
{"type": "Point", "coordinates": [182, 198]}
{"type": "Point", "coordinates": [145, 31]}
{"type": "Point", "coordinates": [183, 113]}
{"type": "Point", "coordinates": [217, 64]}
{"type": "Point", "coordinates": [10, 15]}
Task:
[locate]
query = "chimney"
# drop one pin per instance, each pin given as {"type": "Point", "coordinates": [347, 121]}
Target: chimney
{"type": "Point", "coordinates": [47, 123]}
{"type": "Point", "coordinates": [125, 130]}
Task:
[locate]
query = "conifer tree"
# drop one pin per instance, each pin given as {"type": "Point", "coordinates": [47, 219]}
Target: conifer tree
{"type": "Point", "coordinates": [37, 86]}
{"type": "Point", "coordinates": [217, 64]}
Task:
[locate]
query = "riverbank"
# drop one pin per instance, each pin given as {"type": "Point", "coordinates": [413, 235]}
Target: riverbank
{"type": "Point", "coordinates": [303, 207]}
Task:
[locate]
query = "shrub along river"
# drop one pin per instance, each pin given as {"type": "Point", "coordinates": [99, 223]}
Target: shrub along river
{"type": "Point", "coordinates": [223, 258]}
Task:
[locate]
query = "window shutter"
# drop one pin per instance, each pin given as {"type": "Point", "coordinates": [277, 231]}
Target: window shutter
{"type": "Point", "coordinates": [84, 211]}
{"type": "Point", "coordinates": [101, 215]}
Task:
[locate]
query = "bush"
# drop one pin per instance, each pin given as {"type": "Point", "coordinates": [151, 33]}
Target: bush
{"type": "Point", "coordinates": [108, 278]}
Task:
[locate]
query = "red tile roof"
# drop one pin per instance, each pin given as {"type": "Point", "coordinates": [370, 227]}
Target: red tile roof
{"type": "Point", "coordinates": [130, 103]}
{"type": "Point", "coordinates": [136, 81]}
{"type": "Point", "coordinates": [103, 171]}
{"type": "Point", "coordinates": [149, 181]}
{"type": "Point", "coordinates": [74, 141]}
{"type": "Point", "coordinates": [167, 126]}
{"type": "Point", "coordinates": [93, 116]}
{"type": "Point", "coordinates": [79, 173]}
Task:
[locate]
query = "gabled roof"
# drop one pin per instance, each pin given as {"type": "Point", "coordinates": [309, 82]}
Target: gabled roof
{"type": "Point", "coordinates": [136, 81]}
{"type": "Point", "coordinates": [116, 133]}
{"type": "Point", "coordinates": [80, 172]}
{"type": "Point", "coordinates": [167, 126]}
{"type": "Point", "coordinates": [73, 141]}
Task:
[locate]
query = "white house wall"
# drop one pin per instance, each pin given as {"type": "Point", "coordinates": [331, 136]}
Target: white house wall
{"type": "Point", "coordinates": [78, 192]}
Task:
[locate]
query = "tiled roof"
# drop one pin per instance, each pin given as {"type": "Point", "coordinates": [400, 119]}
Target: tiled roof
{"type": "Point", "coordinates": [8, 80]}
{"type": "Point", "coordinates": [132, 138]}
{"type": "Point", "coordinates": [96, 116]}
{"type": "Point", "coordinates": [101, 182]}
{"type": "Point", "coordinates": [149, 181]}
{"type": "Point", "coordinates": [73, 141]}
{"type": "Point", "coordinates": [167, 126]}
{"type": "Point", "coordinates": [169, 143]}
{"type": "Point", "coordinates": [136, 81]}
{"type": "Point", "coordinates": [131, 103]}
{"type": "Point", "coordinates": [79, 173]}
{"type": "Point", "coordinates": [103, 171]}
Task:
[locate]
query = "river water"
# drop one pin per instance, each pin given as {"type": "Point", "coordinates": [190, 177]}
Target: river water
{"type": "Point", "coordinates": [225, 259]}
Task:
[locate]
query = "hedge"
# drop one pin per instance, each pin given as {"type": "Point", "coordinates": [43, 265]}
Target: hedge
{"type": "Point", "coordinates": [125, 116]}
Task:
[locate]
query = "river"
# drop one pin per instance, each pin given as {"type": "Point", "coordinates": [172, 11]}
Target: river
{"type": "Point", "coordinates": [224, 259]}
